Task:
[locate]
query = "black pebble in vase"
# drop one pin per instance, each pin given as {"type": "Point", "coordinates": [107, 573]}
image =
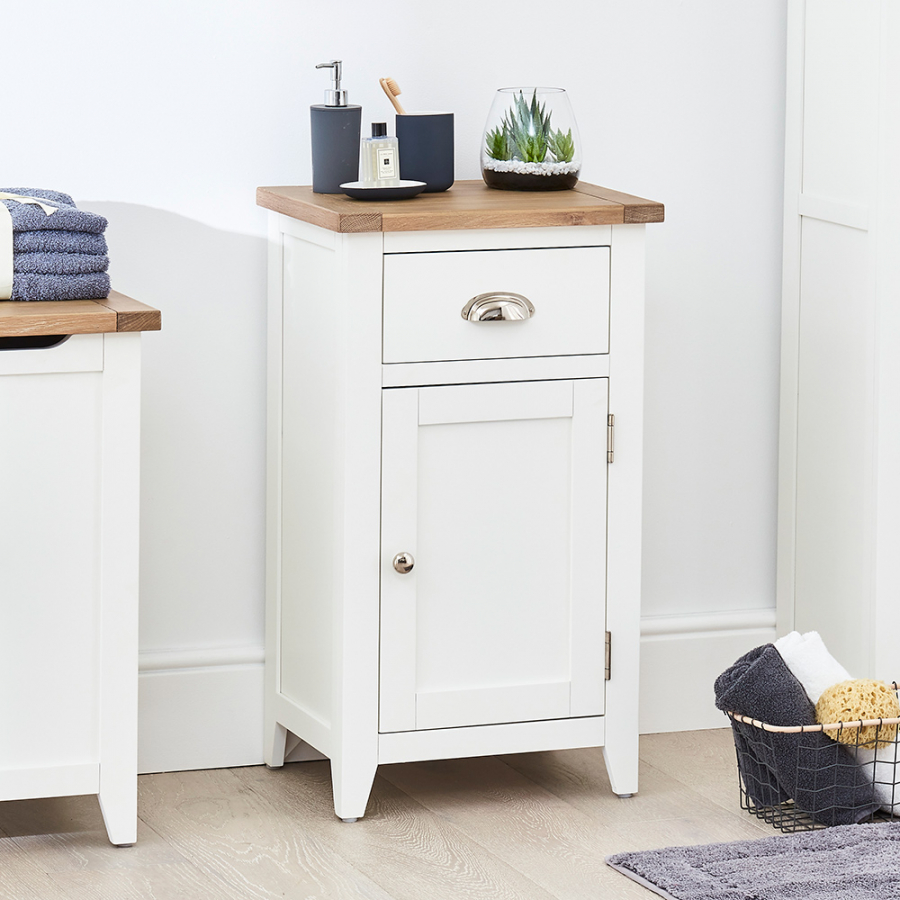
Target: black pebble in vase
{"type": "Point", "coordinates": [335, 133]}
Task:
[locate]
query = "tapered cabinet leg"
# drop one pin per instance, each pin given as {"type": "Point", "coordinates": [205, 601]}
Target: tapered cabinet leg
{"type": "Point", "coordinates": [119, 585]}
{"type": "Point", "coordinates": [621, 756]}
{"type": "Point", "coordinates": [352, 780]}
{"type": "Point", "coordinates": [276, 740]}
{"type": "Point", "coordinates": [118, 803]}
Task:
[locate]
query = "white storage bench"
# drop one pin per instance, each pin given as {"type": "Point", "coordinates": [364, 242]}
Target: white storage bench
{"type": "Point", "coordinates": [69, 501]}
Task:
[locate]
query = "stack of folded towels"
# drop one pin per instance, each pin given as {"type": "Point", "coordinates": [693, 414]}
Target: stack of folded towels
{"type": "Point", "coordinates": [786, 683]}
{"type": "Point", "coordinates": [59, 252]}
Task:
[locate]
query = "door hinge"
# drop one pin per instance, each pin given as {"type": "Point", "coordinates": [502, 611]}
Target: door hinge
{"type": "Point", "coordinates": [610, 437]}
{"type": "Point", "coordinates": [607, 656]}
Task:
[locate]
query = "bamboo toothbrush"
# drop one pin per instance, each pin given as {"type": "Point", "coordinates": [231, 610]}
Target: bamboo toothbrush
{"type": "Point", "coordinates": [392, 89]}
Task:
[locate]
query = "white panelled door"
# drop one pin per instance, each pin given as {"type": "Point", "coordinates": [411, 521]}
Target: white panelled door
{"type": "Point", "coordinates": [498, 493]}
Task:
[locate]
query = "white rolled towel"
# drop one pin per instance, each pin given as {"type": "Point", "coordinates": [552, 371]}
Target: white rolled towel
{"type": "Point", "coordinates": [816, 669]}
{"type": "Point", "coordinates": [810, 662]}
{"type": "Point", "coordinates": [883, 767]}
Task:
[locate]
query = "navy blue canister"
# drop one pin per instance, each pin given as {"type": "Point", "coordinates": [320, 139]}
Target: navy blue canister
{"type": "Point", "coordinates": [426, 148]}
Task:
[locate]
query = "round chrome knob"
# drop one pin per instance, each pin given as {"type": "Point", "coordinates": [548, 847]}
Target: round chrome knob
{"type": "Point", "coordinates": [403, 563]}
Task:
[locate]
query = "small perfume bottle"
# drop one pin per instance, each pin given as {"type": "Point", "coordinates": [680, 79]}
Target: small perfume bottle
{"type": "Point", "coordinates": [380, 158]}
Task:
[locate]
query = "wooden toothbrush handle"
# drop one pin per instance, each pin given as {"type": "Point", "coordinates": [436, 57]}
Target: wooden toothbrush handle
{"type": "Point", "coordinates": [383, 82]}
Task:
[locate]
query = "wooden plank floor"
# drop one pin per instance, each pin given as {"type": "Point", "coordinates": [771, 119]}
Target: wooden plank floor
{"type": "Point", "coordinates": [525, 827]}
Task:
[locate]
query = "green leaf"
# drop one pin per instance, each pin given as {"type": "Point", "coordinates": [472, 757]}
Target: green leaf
{"type": "Point", "coordinates": [497, 143]}
{"type": "Point", "coordinates": [562, 146]}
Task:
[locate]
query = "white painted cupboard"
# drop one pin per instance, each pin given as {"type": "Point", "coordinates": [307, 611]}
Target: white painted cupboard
{"type": "Point", "coordinates": [69, 495]}
{"type": "Point", "coordinates": [448, 543]}
{"type": "Point", "coordinates": [839, 491]}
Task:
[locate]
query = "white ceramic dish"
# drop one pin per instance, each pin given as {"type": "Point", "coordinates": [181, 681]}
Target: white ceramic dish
{"type": "Point", "coordinates": [361, 191]}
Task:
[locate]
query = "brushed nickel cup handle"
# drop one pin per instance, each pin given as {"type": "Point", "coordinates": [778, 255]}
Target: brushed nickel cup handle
{"type": "Point", "coordinates": [404, 562]}
{"type": "Point", "coordinates": [498, 306]}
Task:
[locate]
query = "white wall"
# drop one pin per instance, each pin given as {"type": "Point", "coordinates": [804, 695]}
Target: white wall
{"type": "Point", "coordinates": [165, 115]}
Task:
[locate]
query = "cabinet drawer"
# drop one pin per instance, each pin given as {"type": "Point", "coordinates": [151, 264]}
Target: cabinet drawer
{"type": "Point", "coordinates": [78, 353]}
{"type": "Point", "coordinates": [424, 294]}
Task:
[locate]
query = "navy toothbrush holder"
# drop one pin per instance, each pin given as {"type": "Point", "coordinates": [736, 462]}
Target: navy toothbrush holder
{"type": "Point", "coordinates": [426, 148]}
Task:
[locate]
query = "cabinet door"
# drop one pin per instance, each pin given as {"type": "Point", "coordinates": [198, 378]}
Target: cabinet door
{"type": "Point", "coordinates": [50, 495]}
{"type": "Point", "coordinates": [498, 491]}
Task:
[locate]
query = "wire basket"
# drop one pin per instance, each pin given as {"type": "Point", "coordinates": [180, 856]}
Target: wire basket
{"type": "Point", "coordinates": [804, 777]}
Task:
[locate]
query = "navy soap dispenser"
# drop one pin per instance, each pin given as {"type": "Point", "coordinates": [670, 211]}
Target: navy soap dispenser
{"type": "Point", "coordinates": [335, 132]}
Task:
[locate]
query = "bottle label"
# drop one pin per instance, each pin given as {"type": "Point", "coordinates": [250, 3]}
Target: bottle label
{"type": "Point", "coordinates": [385, 163]}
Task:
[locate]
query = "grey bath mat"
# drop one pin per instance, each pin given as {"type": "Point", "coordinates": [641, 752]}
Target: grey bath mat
{"type": "Point", "coordinates": [849, 862]}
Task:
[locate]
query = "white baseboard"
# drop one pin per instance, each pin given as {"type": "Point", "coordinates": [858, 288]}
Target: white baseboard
{"type": "Point", "coordinates": [203, 709]}
{"type": "Point", "coordinates": [681, 657]}
{"type": "Point", "coordinates": [200, 709]}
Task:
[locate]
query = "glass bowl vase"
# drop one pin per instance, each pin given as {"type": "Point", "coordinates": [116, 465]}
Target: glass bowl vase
{"type": "Point", "coordinates": [531, 141]}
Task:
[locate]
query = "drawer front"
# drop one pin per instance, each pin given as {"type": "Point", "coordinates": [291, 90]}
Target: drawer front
{"type": "Point", "coordinates": [424, 294]}
{"type": "Point", "coordinates": [78, 353]}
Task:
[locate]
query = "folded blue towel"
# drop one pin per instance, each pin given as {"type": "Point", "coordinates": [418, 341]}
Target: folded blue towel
{"type": "Point", "coordinates": [59, 242]}
{"type": "Point", "coordinates": [28, 217]}
{"type": "Point", "coordinates": [92, 286]}
{"type": "Point", "coordinates": [819, 774]}
{"type": "Point", "coordinates": [59, 263]}
{"type": "Point", "coordinates": [56, 198]}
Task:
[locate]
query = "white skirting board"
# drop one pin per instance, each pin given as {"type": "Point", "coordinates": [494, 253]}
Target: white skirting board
{"type": "Point", "coordinates": [681, 657]}
{"type": "Point", "coordinates": [203, 709]}
{"type": "Point", "coordinates": [200, 709]}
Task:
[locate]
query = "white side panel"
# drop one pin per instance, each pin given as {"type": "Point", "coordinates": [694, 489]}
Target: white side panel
{"type": "Point", "coordinates": [839, 495]}
{"type": "Point", "coordinates": [623, 581]}
{"type": "Point", "coordinates": [840, 99]}
{"type": "Point", "coordinates": [119, 566]}
{"type": "Point", "coordinates": [358, 523]}
{"type": "Point", "coordinates": [887, 337]}
{"type": "Point", "coordinates": [790, 319]}
{"type": "Point", "coordinates": [308, 437]}
{"type": "Point", "coordinates": [834, 449]}
{"type": "Point", "coordinates": [274, 731]}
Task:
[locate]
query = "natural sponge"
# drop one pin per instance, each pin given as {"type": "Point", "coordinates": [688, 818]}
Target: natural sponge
{"type": "Point", "coordinates": [851, 701]}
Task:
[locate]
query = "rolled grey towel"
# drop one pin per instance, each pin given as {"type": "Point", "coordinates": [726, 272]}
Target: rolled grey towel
{"type": "Point", "coordinates": [819, 774]}
{"type": "Point", "coordinates": [28, 217]}
{"type": "Point", "coordinates": [58, 263]}
{"type": "Point", "coordinates": [59, 242]}
{"type": "Point", "coordinates": [92, 286]}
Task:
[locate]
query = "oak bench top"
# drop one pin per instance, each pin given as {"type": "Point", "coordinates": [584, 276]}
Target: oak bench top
{"type": "Point", "coordinates": [45, 317]}
{"type": "Point", "coordinates": [468, 204]}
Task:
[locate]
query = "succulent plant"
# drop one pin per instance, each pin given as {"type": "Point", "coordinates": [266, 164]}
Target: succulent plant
{"type": "Point", "coordinates": [528, 128]}
{"type": "Point", "coordinates": [525, 134]}
{"type": "Point", "coordinates": [497, 144]}
{"type": "Point", "coordinates": [562, 146]}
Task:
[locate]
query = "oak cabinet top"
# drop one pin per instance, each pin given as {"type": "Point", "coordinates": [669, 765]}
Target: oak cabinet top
{"type": "Point", "coordinates": [45, 317]}
{"type": "Point", "coordinates": [468, 204]}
